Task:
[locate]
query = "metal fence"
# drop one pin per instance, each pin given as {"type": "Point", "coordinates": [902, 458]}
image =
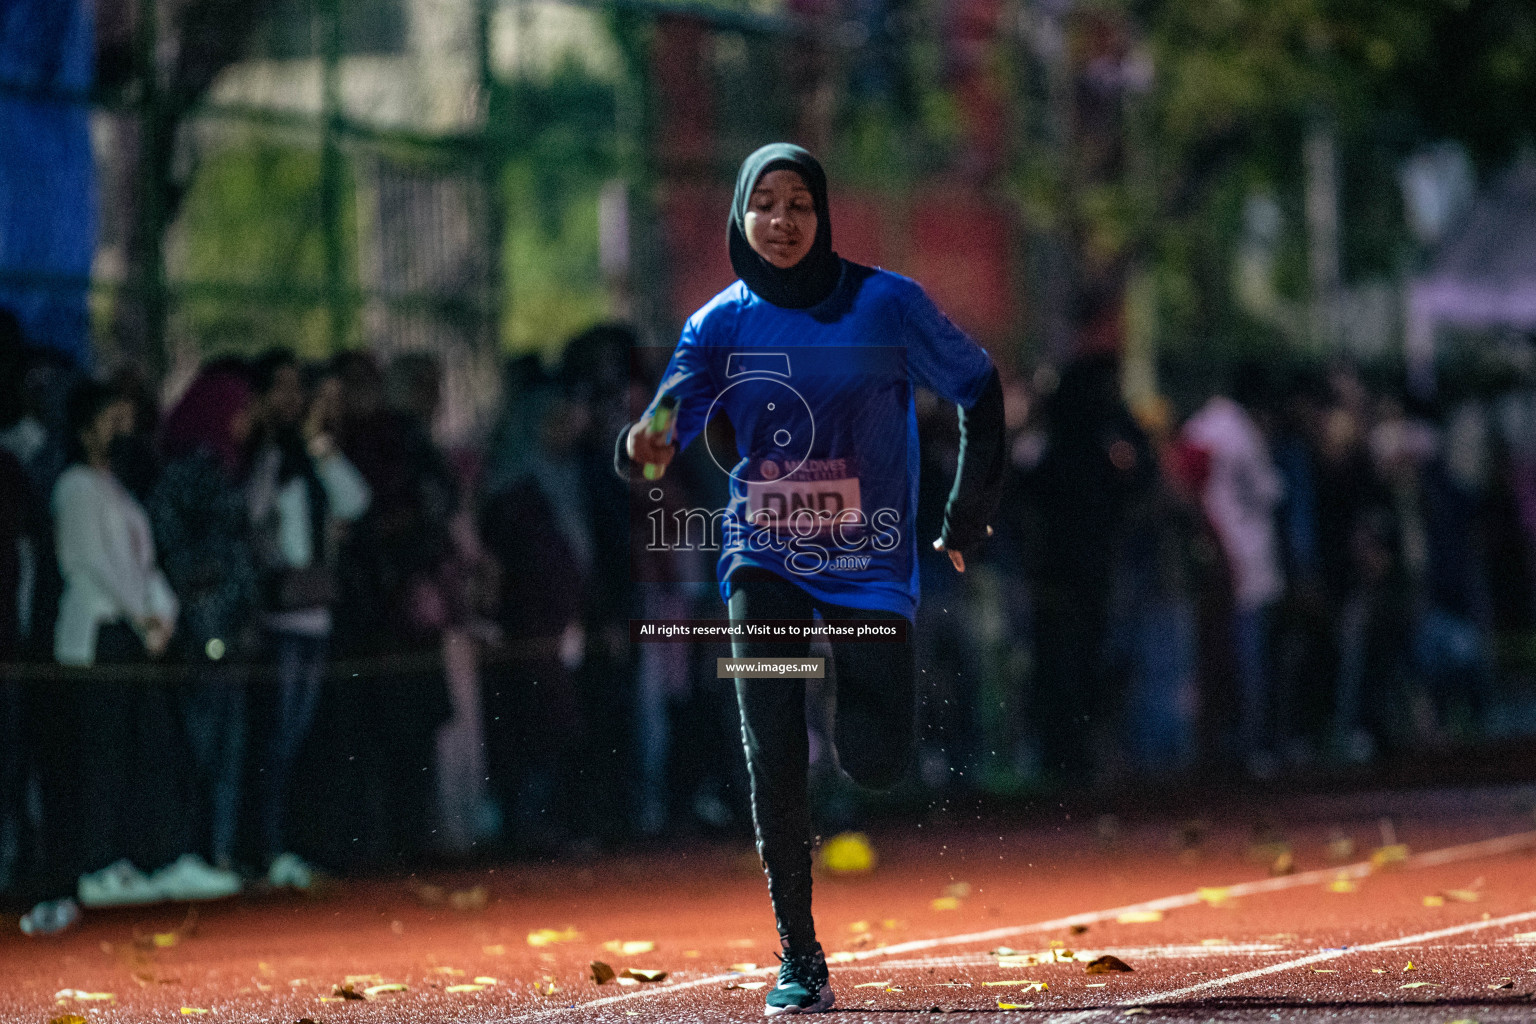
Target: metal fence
{"type": "Point", "coordinates": [477, 176]}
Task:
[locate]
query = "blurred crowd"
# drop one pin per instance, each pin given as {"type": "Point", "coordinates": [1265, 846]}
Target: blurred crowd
{"type": "Point", "coordinates": [1305, 571]}
{"type": "Point", "coordinates": [277, 624]}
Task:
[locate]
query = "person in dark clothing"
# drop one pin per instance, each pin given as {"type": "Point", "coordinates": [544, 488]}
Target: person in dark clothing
{"type": "Point", "coordinates": [392, 606]}
{"type": "Point", "coordinates": [1095, 464]}
{"type": "Point", "coordinates": [814, 360]}
{"type": "Point", "coordinates": [534, 520]}
{"type": "Point", "coordinates": [15, 497]}
{"type": "Point", "coordinates": [198, 513]}
{"type": "Point", "coordinates": [19, 512]}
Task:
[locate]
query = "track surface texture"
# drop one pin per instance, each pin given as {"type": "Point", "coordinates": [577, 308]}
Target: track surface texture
{"type": "Point", "coordinates": [1196, 904]}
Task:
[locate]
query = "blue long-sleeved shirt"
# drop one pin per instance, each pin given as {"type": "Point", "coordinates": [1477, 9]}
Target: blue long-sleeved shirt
{"type": "Point", "coordinates": [824, 478]}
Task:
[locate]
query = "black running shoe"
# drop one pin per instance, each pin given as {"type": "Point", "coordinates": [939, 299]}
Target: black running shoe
{"type": "Point", "coordinates": [803, 985]}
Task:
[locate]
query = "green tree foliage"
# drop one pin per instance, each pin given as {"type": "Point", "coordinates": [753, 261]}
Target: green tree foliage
{"type": "Point", "coordinates": [249, 225]}
{"type": "Point", "coordinates": [1239, 83]}
{"type": "Point", "coordinates": [557, 140]}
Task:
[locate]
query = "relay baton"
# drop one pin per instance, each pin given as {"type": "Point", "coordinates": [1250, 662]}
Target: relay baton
{"type": "Point", "coordinates": [663, 423]}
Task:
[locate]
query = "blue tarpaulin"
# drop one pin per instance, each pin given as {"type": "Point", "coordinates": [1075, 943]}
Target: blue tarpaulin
{"type": "Point", "coordinates": [47, 173]}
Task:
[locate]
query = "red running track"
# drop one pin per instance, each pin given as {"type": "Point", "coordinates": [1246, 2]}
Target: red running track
{"type": "Point", "coordinates": [1210, 933]}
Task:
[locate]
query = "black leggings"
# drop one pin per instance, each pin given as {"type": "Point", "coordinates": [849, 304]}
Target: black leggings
{"type": "Point", "coordinates": [873, 733]}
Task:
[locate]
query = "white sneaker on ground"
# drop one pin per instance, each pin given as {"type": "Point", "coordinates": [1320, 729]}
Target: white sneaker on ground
{"type": "Point", "coordinates": [192, 878]}
{"type": "Point", "coordinates": [289, 871]}
{"type": "Point", "coordinates": [120, 885]}
{"type": "Point", "coordinates": [50, 917]}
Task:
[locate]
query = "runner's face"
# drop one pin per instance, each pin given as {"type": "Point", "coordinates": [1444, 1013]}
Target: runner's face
{"type": "Point", "coordinates": [781, 218]}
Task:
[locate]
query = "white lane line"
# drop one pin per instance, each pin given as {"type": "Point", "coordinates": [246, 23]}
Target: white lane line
{"type": "Point", "coordinates": [1433, 858]}
{"type": "Point", "coordinates": [1321, 956]}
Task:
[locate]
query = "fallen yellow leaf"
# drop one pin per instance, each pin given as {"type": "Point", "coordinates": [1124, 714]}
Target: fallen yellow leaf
{"type": "Point", "coordinates": [1011, 981]}
{"type": "Point", "coordinates": [1389, 856]}
{"type": "Point", "coordinates": [1419, 984]}
{"type": "Point", "coordinates": [165, 940]}
{"type": "Point", "coordinates": [1018, 961]}
{"type": "Point", "coordinates": [1215, 896]}
{"type": "Point", "coordinates": [549, 936]}
{"type": "Point", "coordinates": [192, 1011]}
{"type": "Point", "coordinates": [1014, 1006]}
{"type": "Point", "coordinates": [484, 979]}
{"type": "Point", "coordinates": [633, 947]}
{"type": "Point", "coordinates": [1410, 966]}
{"type": "Point", "coordinates": [452, 972]}
{"type": "Point", "coordinates": [1135, 1010]}
{"type": "Point", "coordinates": [455, 990]}
{"type": "Point", "coordinates": [876, 984]}
{"type": "Point", "coordinates": [747, 986]}
{"type": "Point", "coordinates": [67, 1018]}
{"type": "Point", "coordinates": [1140, 916]}
{"type": "Point", "coordinates": [1107, 964]}
{"type": "Point", "coordinates": [389, 986]}
{"type": "Point", "coordinates": [83, 996]}
{"type": "Point", "coordinates": [744, 968]}
{"type": "Point", "coordinates": [848, 853]}
{"type": "Point", "coordinates": [842, 957]}
{"type": "Point", "coordinates": [945, 903]}
{"type": "Point", "coordinates": [1462, 895]}
{"type": "Point", "coordinates": [1342, 884]}
{"type": "Point", "coordinates": [1434, 901]}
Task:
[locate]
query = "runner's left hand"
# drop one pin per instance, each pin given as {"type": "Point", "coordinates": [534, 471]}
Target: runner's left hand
{"type": "Point", "coordinates": [956, 558]}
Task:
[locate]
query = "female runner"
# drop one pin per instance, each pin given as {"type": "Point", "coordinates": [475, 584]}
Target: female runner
{"type": "Point", "coordinates": [814, 359]}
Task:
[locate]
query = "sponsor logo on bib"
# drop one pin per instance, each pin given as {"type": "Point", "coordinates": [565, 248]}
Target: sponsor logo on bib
{"type": "Point", "coordinates": [819, 494]}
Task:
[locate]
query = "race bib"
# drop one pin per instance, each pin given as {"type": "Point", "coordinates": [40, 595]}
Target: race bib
{"type": "Point", "coordinates": [822, 492]}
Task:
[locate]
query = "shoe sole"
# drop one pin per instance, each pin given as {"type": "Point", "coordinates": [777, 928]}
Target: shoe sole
{"type": "Point", "coordinates": [822, 1004]}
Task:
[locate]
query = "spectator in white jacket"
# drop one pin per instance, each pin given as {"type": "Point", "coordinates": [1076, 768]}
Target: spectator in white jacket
{"type": "Point", "coordinates": [107, 756]}
{"type": "Point", "coordinates": [117, 605]}
{"type": "Point", "coordinates": [1240, 498]}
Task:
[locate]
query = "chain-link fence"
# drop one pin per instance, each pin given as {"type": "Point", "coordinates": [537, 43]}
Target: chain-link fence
{"type": "Point", "coordinates": [478, 176]}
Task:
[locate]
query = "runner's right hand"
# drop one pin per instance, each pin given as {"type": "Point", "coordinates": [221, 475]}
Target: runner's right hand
{"type": "Point", "coordinates": [647, 446]}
